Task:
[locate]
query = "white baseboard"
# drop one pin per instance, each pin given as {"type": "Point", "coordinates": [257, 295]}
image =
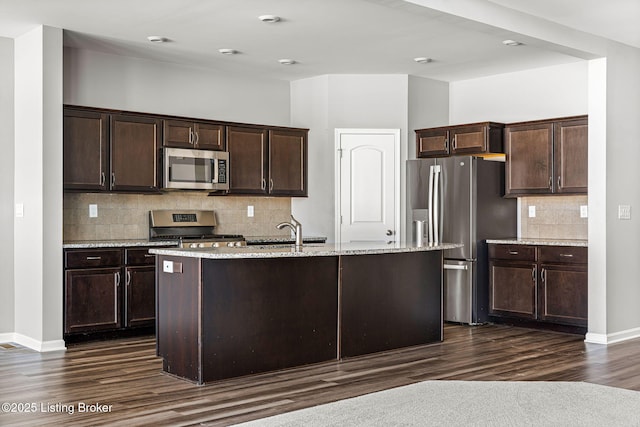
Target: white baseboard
{"type": "Point", "coordinates": [613, 337]}
{"type": "Point", "coordinates": [40, 346]}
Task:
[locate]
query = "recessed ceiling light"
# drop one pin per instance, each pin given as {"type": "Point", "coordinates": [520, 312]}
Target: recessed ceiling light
{"type": "Point", "coordinates": [228, 51]}
{"type": "Point", "coordinates": [286, 61]}
{"type": "Point", "coordinates": [511, 43]}
{"type": "Point", "coordinates": [422, 60]}
{"type": "Point", "coordinates": [157, 39]}
{"type": "Point", "coordinates": [269, 18]}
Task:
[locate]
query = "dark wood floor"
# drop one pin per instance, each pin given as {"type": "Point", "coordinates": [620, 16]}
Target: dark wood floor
{"type": "Point", "coordinates": [127, 375]}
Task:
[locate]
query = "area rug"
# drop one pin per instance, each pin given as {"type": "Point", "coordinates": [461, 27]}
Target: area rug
{"type": "Point", "coordinates": [475, 403]}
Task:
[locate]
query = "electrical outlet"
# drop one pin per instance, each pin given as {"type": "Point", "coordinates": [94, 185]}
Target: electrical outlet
{"type": "Point", "coordinates": [584, 211]}
{"type": "Point", "coordinates": [93, 211]}
{"type": "Point", "coordinates": [624, 212]}
{"type": "Point", "coordinates": [532, 211]}
{"type": "Point", "coordinates": [19, 210]}
{"type": "Point", "coordinates": [250, 211]}
{"type": "Point", "coordinates": [167, 266]}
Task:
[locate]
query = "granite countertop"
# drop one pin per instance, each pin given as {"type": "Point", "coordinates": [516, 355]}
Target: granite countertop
{"type": "Point", "coordinates": [251, 240]}
{"type": "Point", "coordinates": [541, 242]}
{"type": "Point", "coordinates": [90, 244]}
{"type": "Point", "coordinates": [316, 249]}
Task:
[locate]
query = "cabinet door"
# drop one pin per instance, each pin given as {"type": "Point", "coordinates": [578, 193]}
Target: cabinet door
{"type": "Point", "coordinates": [432, 142]}
{"type": "Point", "coordinates": [85, 151]}
{"type": "Point", "coordinates": [563, 294]}
{"type": "Point", "coordinates": [92, 300]}
{"type": "Point", "coordinates": [247, 160]}
{"type": "Point", "coordinates": [135, 143]}
{"type": "Point", "coordinates": [140, 301]}
{"type": "Point", "coordinates": [288, 162]}
{"type": "Point", "coordinates": [210, 136]}
{"type": "Point", "coordinates": [178, 133]}
{"type": "Point", "coordinates": [529, 167]}
{"type": "Point", "coordinates": [512, 289]}
{"type": "Point", "coordinates": [571, 149]}
{"type": "Point", "coordinates": [468, 139]}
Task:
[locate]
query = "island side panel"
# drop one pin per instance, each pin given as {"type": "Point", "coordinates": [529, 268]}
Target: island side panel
{"type": "Point", "coordinates": [266, 314]}
{"type": "Point", "coordinates": [178, 316]}
{"type": "Point", "coordinates": [390, 301]}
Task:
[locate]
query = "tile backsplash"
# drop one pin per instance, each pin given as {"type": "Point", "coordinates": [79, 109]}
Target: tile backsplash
{"type": "Point", "coordinates": [126, 216]}
{"type": "Point", "coordinates": [557, 217]}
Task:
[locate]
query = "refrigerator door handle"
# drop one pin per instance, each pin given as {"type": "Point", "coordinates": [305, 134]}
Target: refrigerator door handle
{"type": "Point", "coordinates": [430, 205]}
{"type": "Point", "coordinates": [436, 208]}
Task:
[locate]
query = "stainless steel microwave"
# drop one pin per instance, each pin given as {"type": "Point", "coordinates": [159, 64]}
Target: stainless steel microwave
{"type": "Point", "coordinates": [195, 169]}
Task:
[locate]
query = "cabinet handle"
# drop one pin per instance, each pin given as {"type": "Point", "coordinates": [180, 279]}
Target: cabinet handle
{"type": "Point", "coordinates": [113, 179]}
{"type": "Point", "coordinates": [534, 274]}
{"type": "Point", "coordinates": [149, 255]}
{"type": "Point", "coordinates": [550, 183]}
{"type": "Point", "coordinates": [559, 181]}
{"type": "Point", "coordinates": [446, 145]}
{"type": "Point", "coordinates": [103, 179]}
{"type": "Point", "coordinates": [513, 252]}
{"type": "Point", "coordinates": [264, 184]}
{"type": "Point", "coordinates": [197, 138]}
{"type": "Point", "coordinates": [190, 136]}
{"type": "Point", "coordinates": [455, 142]}
{"type": "Point", "coordinates": [128, 278]}
{"type": "Point", "coordinates": [567, 255]}
{"type": "Point", "coordinates": [543, 274]}
{"type": "Point", "coordinates": [94, 258]}
{"type": "Point", "coordinates": [117, 279]}
{"type": "Point", "coordinates": [270, 184]}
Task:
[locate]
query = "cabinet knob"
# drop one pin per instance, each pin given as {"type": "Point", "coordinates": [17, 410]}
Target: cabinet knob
{"type": "Point", "coordinates": [389, 232]}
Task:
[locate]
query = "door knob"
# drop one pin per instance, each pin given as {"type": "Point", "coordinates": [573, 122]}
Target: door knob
{"type": "Point", "coordinates": [389, 233]}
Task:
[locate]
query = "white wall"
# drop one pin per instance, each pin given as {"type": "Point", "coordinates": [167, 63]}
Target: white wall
{"type": "Point", "coordinates": [38, 186]}
{"type": "Point", "coordinates": [539, 93]}
{"type": "Point", "coordinates": [6, 186]}
{"type": "Point", "coordinates": [110, 81]}
{"type": "Point", "coordinates": [622, 178]}
{"type": "Point", "coordinates": [356, 101]}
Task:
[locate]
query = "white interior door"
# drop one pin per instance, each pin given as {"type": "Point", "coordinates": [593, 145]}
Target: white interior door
{"type": "Point", "coordinates": [368, 206]}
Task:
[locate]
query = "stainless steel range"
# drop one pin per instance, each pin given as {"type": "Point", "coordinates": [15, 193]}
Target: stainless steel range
{"type": "Point", "coordinates": [192, 228]}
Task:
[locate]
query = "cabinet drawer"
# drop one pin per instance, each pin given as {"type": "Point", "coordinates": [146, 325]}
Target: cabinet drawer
{"type": "Point", "coordinates": [91, 258]}
{"type": "Point", "coordinates": [515, 252]}
{"type": "Point", "coordinates": [562, 254]}
{"type": "Point", "coordinates": [139, 256]}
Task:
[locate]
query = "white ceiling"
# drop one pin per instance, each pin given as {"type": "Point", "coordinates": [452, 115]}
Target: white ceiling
{"type": "Point", "coordinates": [323, 36]}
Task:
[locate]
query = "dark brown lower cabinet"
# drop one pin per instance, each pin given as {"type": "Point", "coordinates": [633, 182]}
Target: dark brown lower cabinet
{"type": "Point", "coordinates": [140, 296]}
{"type": "Point", "coordinates": [546, 284]}
{"type": "Point", "coordinates": [108, 290]}
{"type": "Point", "coordinates": [513, 288]}
{"type": "Point", "coordinates": [92, 300]}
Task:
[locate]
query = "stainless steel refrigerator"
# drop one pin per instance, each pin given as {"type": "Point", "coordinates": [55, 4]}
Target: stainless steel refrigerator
{"type": "Point", "coordinates": [460, 200]}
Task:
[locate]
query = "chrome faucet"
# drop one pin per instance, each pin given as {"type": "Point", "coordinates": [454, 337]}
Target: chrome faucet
{"type": "Point", "coordinates": [295, 226]}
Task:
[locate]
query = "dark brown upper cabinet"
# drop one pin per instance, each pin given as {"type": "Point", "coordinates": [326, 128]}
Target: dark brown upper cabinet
{"type": "Point", "coordinates": [110, 152]}
{"type": "Point", "coordinates": [196, 135]}
{"type": "Point", "coordinates": [267, 161]}
{"type": "Point", "coordinates": [86, 150]}
{"type": "Point", "coordinates": [571, 155]}
{"type": "Point", "coordinates": [288, 162]}
{"type": "Point", "coordinates": [135, 143]}
{"type": "Point", "coordinates": [248, 164]}
{"type": "Point", "coordinates": [476, 138]}
{"type": "Point", "coordinates": [546, 157]}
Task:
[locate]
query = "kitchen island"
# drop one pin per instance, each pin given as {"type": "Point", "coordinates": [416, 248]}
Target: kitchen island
{"type": "Point", "coordinates": [227, 312]}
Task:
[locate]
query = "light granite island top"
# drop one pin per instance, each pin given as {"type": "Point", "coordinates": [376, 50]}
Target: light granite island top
{"type": "Point", "coordinates": [307, 250]}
